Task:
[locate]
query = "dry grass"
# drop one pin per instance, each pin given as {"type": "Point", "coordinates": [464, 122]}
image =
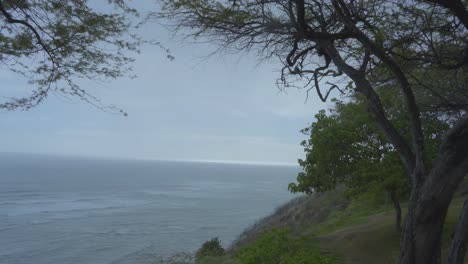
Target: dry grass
{"type": "Point", "coordinates": [298, 215]}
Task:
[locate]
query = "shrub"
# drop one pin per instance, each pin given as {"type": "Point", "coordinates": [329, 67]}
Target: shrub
{"type": "Point", "coordinates": [210, 248]}
{"type": "Point", "coordinates": [277, 247]}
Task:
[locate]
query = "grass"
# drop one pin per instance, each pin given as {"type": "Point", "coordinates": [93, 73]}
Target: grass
{"type": "Point", "coordinates": [375, 240]}
{"type": "Point", "coordinates": [356, 213]}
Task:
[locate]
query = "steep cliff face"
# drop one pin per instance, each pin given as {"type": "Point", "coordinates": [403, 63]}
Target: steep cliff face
{"type": "Point", "coordinates": [298, 215]}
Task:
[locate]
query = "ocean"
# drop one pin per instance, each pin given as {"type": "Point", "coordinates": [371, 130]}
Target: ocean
{"type": "Point", "coordinates": [60, 210]}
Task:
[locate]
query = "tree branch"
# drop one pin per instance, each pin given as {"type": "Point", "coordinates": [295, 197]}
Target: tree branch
{"type": "Point", "coordinates": [12, 20]}
{"type": "Point", "coordinates": [450, 167]}
{"type": "Point", "coordinates": [375, 106]}
{"type": "Point", "coordinates": [413, 110]}
{"type": "Point", "coordinates": [306, 32]}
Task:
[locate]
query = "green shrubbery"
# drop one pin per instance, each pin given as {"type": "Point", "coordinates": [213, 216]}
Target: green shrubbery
{"type": "Point", "coordinates": [211, 248]}
{"type": "Point", "coordinates": [277, 247]}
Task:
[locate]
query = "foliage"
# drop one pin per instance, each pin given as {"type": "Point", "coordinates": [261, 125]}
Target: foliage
{"type": "Point", "coordinates": [277, 247]}
{"type": "Point", "coordinates": [346, 147]}
{"type": "Point", "coordinates": [211, 247]}
{"type": "Point", "coordinates": [56, 43]}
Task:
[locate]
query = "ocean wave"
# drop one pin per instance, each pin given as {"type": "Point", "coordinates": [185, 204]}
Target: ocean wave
{"type": "Point", "coordinates": [61, 206]}
{"type": "Point", "coordinates": [40, 222]}
{"type": "Point", "coordinates": [17, 191]}
{"type": "Point", "coordinates": [181, 193]}
{"type": "Point", "coordinates": [45, 201]}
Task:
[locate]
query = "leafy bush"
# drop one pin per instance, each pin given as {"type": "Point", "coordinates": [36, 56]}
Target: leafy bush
{"type": "Point", "coordinates": [210, 248]}
{"type": "Point", "coordinates": [277, 247]}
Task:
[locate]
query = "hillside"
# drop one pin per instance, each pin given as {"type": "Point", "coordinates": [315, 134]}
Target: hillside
{"type": "Point", "coordinates": [352, 231]}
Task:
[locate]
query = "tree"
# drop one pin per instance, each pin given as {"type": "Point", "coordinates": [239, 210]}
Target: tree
{"type": "Point", "coordinates": [346, 147]}
{"type": "Point", "coordinates": [55, 43]}
{"type": "Point", "coordinates": [368, 43]}
{"type": "Point", "coordinates": [210, 248]}
{"type": "Point", "coordinates": [348, 151]}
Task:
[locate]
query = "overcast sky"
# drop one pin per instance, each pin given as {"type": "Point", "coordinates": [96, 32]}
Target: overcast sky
{"type": "Point", "coordinates": [224, 108]}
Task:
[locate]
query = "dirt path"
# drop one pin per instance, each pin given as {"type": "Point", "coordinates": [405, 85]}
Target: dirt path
{"type": "Point", "coordinates": [375, 242]}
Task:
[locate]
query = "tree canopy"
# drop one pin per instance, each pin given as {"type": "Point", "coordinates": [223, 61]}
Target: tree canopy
{"type": "Point", "coordinates": [54, 43]}
{"type": "Point", "coordinates": [347, 142]}
{"type": "Point", "coordinates": [346, 147]}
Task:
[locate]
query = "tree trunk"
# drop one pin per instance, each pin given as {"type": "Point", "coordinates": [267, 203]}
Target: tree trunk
{"type": "Point", "coordinates": [457, 249]}
{"type": "Point", "coordinates": [396, 205]}
{"type": "Point", "coordinates": [421, 239]}
{"type": "Point", "coordinates": [431, 192]}
{"type": "Point", "coordinates": [422, 233]}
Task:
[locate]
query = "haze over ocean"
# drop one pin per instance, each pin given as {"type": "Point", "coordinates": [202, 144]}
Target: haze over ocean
{"type": "Point", "coordinates": [59, 210]}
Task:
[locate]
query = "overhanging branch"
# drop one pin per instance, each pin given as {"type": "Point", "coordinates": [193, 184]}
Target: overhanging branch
{"type": "Point", "coordinates": [25, 23]}
{"type": "Point", "coordinates": [413, 110]}
{"type": "Point", "coordinates": [375, 106]}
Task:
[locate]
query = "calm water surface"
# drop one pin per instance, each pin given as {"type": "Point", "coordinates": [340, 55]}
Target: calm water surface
{"type": "Point", "coordinates": [71, 210]}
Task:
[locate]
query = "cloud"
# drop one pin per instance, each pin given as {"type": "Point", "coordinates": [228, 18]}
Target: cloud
{"type": "Point", "coordinates": [80, 133]}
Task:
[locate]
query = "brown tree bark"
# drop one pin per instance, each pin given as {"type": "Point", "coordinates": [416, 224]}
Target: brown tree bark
{"type": "Point", "coordinates": [421, 239]}
{"type": "Point", "coordinates": [458, 247]}
{"type": "Point", "coordinates": [397, 207]}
